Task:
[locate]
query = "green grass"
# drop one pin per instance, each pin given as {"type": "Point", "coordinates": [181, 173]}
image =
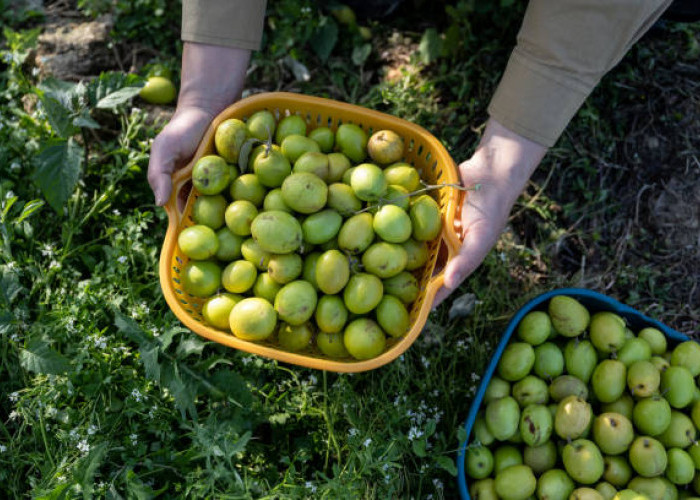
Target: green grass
{"type": "Point", "coordinates": [104, 394]}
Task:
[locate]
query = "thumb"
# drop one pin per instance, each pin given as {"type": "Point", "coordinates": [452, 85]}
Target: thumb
{"type": "Point", "coordinates": [479, 237]}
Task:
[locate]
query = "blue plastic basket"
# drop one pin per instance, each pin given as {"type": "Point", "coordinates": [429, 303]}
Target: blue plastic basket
{"type": "Point", "coordinates": [594, 301]}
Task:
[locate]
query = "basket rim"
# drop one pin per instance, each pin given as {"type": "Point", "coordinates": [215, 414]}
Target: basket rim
{"type": "Point", "coordinates": [283, 100]}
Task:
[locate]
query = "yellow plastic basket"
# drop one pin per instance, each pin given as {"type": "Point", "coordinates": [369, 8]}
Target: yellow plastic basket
{"type": "Point", "coordinates": [423, 151]}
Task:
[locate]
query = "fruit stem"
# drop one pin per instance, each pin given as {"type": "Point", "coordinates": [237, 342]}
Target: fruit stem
{"type": "Point", "coordinates": [427, 187]}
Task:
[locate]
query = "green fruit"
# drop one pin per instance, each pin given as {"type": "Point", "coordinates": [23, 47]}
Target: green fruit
{"type": "Point", "coordinates": [271, 168]}
{"type": "Point", "coordinates": [396, 195]}
{"type": "Point", "coordinates": [294, 146]}
{"type": "Point", "coordinates": [606, 490]}
{"type": "Point", "coordinates": [253, 319]}
{"type": "Point", "coordinates": [351, 140]}
{"type": "Point", "coordinates": [623, 405]}
{"type": "Point", "coordinates": [306, 193]}
{"type": "Point", "coordinates": [324, 137]}
{"type": "Point", "coordinates": [210, 175]}
{"type": "Point", "coordinates": [331, 314]}
{"type": "Point", "coordinates": [656, 487]}
{"type": "Point", "coordinates": [647, 456]}
{"type": "Point", "coordinates": [505, 455]}
{"type": "Point", "coordinates": [609, 380]}
{"type": "Point", "coordinates": [277, 232]}
{"type": "Point", "coordinates": [554, 484]}
{"type": "Point", "coordinates": [290, 125]}
{"type": "Point", "coordinates": [482, 435]}
{"type": "Point", "coordinates": [655, 338]}
{"type": "Point", "coordinates": [634, 349]}
{"type": "Point", "coordinates": [586, 494]}
{"type": "Point", "coordinates": [392, 316]}
{"type": "Point", "coordinates": [573, 417]}
{"type": "Point", "coordinates": [344, 14]}
{"type": "Point", "coordinates": [209, 210]}
{"type": "Point", "coordinates": [363, 293]}
{"type": "Point", "coordinates": [404, 286]}
{"type": "Point", "coordinates": [217, 309]}
{"type": "Point", "coordinates": [613, 433]}
{"type": "Point", "coordinates": [248, 187]}
{"type": "Point", "coordinates": [540, 458]}
{"type": "Point", "coordinates": [549, 361]}
{"type": "Point", "coordinates": [229, 245]}
{"type": "Point", "coordinates": [338, 164]}
{"type": "Point", "coordinates": [530, 390]}
{"type": "Point", "coordinates": [678, 386]}
{"type": "Point", "coordinates": [503, 418]}
{"type": "Point", "coordinates": [266, 288]}
{"type": "Point", "coordinates": [425, 217]}
{"type": "Point", "coordinates": [695, 414]}
{"type": "Point", "coordinates": [567, 385]}
{"type": "Point", "coordinates": [417, 253]}
{"type": "Point", "coordinates": [569, 317]}
{"type": "Point", "coordinates": [583, 461]}
{"type": "Point", "coordinates": [617, 471]}
{"type": "Point", "coordinates": [643, 378]}
{"type": "Point", "coordinates": [342, 198]}
{"type": "Point", "coordinates": [535, 425]}
{"type": "Point", "coordinates": [274, 201]}
{"type": "Point", "coordinates": [580, 359]}
{"type": "Point", "coordinates": [357, 233]}
{"type": "Point", "coordinates": [364, 339]}
{"type": "Point", "coordinates": [259, 150]}
{"type": "Point", "coordinates": [479, 462]}
{"type": "Point", "coordinates": [229, 138]}
{"type": "Point", "coordinates": [284, 268]}
{"type": "Point", "coordinates": [687, 355]}
{"type": "Point", "coordinates": [347, 176]}
{"type": "Point", "coordinates": [239, 216]}
{"type": "Point", "coordinates": [321, 227]}
{"type": "Point", "coordinates": [607, 331]}
{"type": "Point", "coordinates": [332, 272]}
{"type": "Point", "coordinates": [404, 175]}
{"type": "Point", "coordinates": [680, 433]}
{"type": "Point", "coordinates": [681, 468]}
{"type": "Point", "coordinates": [515, 483]}
{"type": "Point", "coordinates": [483, 489]}
{"type": "Point", "coordinates": [313, 162]}
{"type": "Point", "coordinates": [158, 90]}
{"type": "Point", "coordinates": [497, 388]}
{"type": "Point", "coordinates": [198, 242]}
{"type": "Point", "coordinates": [295, 303]}
{"type": "Point", "coordinates": [385, 259]}
{"type": "Point", "coordinates": [294, 337]}
{"type": "Point", "coordinates": [392, 224]}
{"type": "Point", "coordinates": [309, 271]}
{"type": "Point", "coordinates": [516, 362]}
{"type": "Point", "coordinates": [535, 328]}
{"type": "Point", "coordinates": [660, 363]}
{"type": "Point", "coordinates": [368, 182]}
{"type": "Point", "coordinates": [694, 452]}
{"type": "Point", "coordinates": [652, 415]}
{"type": "Point", "coordinates": [262, 125]}
{"type": "Point", "coordinates": [385, 146]}
{"type": "Point", "coordinates": [331, 344]}
{"type": "Point", "coordinates": [254, 253]}
{"type": "Point", "coordinates": [239, 276]}
{"type": "Point", "coordinates": [628, 494]}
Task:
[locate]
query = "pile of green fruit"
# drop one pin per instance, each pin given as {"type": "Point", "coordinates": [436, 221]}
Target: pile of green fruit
{"type": "Point", "coordinates": [310, 239]}
{"type": "Point", "coordinates": [584, 408]}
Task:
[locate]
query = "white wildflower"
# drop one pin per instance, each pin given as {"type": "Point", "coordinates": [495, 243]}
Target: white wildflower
{"type": "Point", "coordinates": [353, 432]}
{"type": "Point", "coordinates": [136, 394]}
{"type": "Point", "coordinates": [311, 486]}
{"type": "Point", "coordinates": [92, 429]}
{"type": "Point", "coordinates": [100, 342]}
{"type": "Point", "coordinates": [3, 448]}
{"type": "Point", "coordinates": [15, 166]}
{"type": "Point", "coordinates": [122, 259]}
{"type": "Point", "coordinates": [83, 446]}
{"type": "Point", "coordinates": [14, 397]}
{"type": "Point", "coordinates": [425, 361]}
{"type": "Point", "coordinates": [134, 439]}
{"type": "Point", "coordinates": [367, 442]}
{"type": "Point", "coordinates": [414, 433]}
{"type": "Point", "coordinates": [438, 484]}
{"type": "Point", "coordinates": [312, 379]}
{"type": "Point", "coordinates": [14, 415]}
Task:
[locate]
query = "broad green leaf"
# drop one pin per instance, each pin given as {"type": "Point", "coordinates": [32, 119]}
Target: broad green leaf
{"type": "Point", "coordinates": [7, 204]}
{"type": "Point", "coordinates": [60, 90]}
{"type": "Point", "coordinates": [40, 358]}
{"type": "Point", "coordinates": [85, 473]}
{"type": "Point", "coordinates": [243, 155]}
{"type": "Point", "coordinates": [84, 121]}
{"type": "Point", "coordinates": [325, 39]}
{"type": "Point", "coordinates": [188, 346]}
{"type": "Point", "coordinates": [430, 46]}
{"type": "Point", "coordinates": [118, 97]}
{"type": "Point", "coordinates": [129, 328]}
{"type": "Point", "coordinates": [461, 434]}
{"type": "Point", "coordinates": [361, 53]}
{"type": "Point", "coordinates": [57, 170]}
{"type": "Point", "coordinates": [447, 463]}
{"type": "Point", "coordinates": [59, 117]}
{"type": "Point", "coordinates": [7, 320]}
{"type": "Point", "coordinates": [109, 83]}
{"type": "Point", "coordinates": [10, 286]}
{"type": "Point", "coordinates": [419, 448]}
{"type": "Point", "coordinates": [29, 209]}
{"type": "Point", "coordinates": [183, 391]}
{"type": "Point", "coordinates": [149, 358]}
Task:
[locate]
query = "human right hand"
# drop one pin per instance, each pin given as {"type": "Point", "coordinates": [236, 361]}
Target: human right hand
{"type": "Point", "coordinates": [500, 167]}
{"type": "Point", "coordinates": [212, 79]}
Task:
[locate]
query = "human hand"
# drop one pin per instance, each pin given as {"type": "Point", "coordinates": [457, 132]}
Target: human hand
{"type": "Point", "coordinates": [500, 167]}
{"type": "Point", "coordinates": [212, 79]}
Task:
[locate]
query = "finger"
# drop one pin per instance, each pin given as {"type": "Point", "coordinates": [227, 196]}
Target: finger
{"type": "Point", "coordinates": [160, 168]}
{"type": "Point", "coordinates": [440, 296]}
{"type": "Point", "coordinates": [478, 240]}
